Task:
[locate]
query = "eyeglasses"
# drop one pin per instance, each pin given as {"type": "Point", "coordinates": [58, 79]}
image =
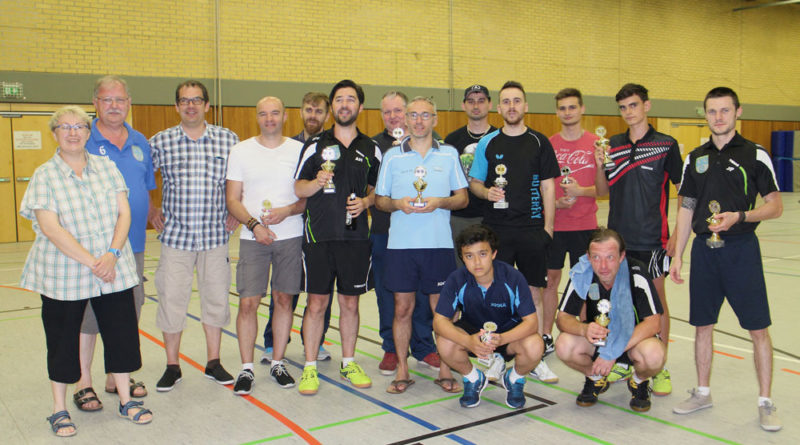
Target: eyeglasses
{"type": "Point", "coordinates": [68, 127]}
{"type": "Point", "coordinates": [424, 115]}
{"type": "Point", "coordinates": [113, 100]}
{"type": "Point", "coordinates": [191, 100]}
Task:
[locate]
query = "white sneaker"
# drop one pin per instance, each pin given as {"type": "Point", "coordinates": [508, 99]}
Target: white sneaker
{"type": "Point", "coordinates": [495, 367]}
{"type": "Point", "coordinates": [544, 374]}
{"type": "Point", "coordinates": [323, 354]}
{"type": "Point", "coordinates": [768, 417]}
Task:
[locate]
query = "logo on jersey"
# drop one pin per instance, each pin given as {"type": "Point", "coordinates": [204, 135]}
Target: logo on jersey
{"type": "Point", "coordinates": [102, 150]}
{"type": "Point", "coordinates": [499, 157]}
{"type": "Point", "coordinates": [701, 164]}
{"type": "Point", "coordinates": [137, 153]}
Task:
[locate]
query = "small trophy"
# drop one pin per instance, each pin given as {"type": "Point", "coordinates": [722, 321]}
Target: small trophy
{"type": "Point", "coordinates": [266, 206]}
{"type": "Point", "coordinates": [419, 186]}
{"type": "Point", "coordinates": [604, 307]}
{"type": "Point", "coordinates": [714, 241]}
{"type": "Point", "coordinates": [489, 328]}
{"type": "Point", "coordinates": [398, 134]}
{"type": "Point", "coordinates": [501, 183]}
{"type": "Point", "coordinates": [329, 155]}
{"type": "Point", "coordinates": [565, 173]}
{"type": "Point", "coordinates": [467, 157]}
{"type": "Point", "coordinates": [602, 143]}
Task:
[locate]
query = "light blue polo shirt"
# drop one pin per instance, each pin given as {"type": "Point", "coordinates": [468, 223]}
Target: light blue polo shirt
{"type": "Point", "coordinates": [396, 180]}
{"type": "Point", "coordinates": [136, 166]}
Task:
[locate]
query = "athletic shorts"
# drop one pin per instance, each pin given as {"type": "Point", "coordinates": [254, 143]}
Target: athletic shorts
{"type": "Point", "coordinates": [734, 272]}
{"type": "Point", "coordinates": [255, 259]}
{"type": "Point", "coordinates": [412, 270]}
{"type": "Point", "coordinates": [624, 359]}
{"type": "Point", "coordinates": [349, 263]}
{"type": "Point", "coordinates": [470, 329]}
{"type": "Point", "coordinates": [657, 261]}
{"type": "Point", "coordinates": [574, 242]}
{"type": "Point", "coordinates": [526, 249]}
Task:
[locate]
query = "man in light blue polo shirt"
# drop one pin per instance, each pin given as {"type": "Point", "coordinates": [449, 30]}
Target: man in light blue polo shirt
{"type": "Point", "coordinates": [419, 183]}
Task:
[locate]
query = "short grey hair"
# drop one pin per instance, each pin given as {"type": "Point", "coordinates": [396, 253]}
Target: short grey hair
{"type": "Point", "coordinates": [110, 80]}
{"type": "Point", "coordinates": [73, 110]}
{"type": "Point", "coordinates": [428, 100]}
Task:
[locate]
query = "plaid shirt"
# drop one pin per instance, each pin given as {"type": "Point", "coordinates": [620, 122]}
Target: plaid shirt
{"type": "Point", "coordinates": [87, 208]}
{"type": "Point", "coordinates": [193, 196]}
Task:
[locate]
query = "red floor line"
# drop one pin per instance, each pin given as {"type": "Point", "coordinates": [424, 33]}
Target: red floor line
{"type": "Point", "coordinates": [18, 288]}
{"type": "Point", "coordinates": [790, 371]}
{"type": "Point", "coordinates": [264, 407]}
{"type": "Point", "coordinates": [728, 355]}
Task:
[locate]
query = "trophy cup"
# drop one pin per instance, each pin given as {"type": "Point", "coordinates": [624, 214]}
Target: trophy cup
{"type": "Point", "coordinates": [604, 307]}
{"type": "Point", "coordinates": [467, 157]}
{"type": "Point", "coordinates": [329, 155]}
{"type": "Point", "coordinates": [501, 183]}
{"type": "Point", "coordinates": [419, 186]}
{"type": "Point", "coordinates": [489, 328]}
{"type": "Point", "coordinates": [266, 206]}
{"type": "Point", "coordinates": [602, 143]}
{"type": "Point", "coordinates": [398, 134]}
{"type": "Point", "coordinates": [714, 241]}
{"type": "Point", "coordinates": [567, 180]}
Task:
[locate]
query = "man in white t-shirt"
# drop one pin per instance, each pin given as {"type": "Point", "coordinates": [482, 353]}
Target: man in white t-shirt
{"type": "Point", "coordinates": [260, 194]}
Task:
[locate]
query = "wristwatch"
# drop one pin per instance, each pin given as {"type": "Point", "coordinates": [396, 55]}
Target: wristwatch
{"type": "Point", "coordinates": [116, 252]}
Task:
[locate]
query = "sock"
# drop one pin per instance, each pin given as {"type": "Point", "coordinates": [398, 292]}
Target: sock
{"type": "Point", "coordinates": [314, 363]}
{"type": "Point", "coordinates": [595, 377]}
{"type": "Point", "coordinates": [346, 361]}
{"type": "Point", "coordinates": [275, 363]}
{"type": "Point", "coordinates": [703, 390]}
{"type": "Point", "coordinates": [473, 375]}
{"type": "Point", "coordinates": [637, 379]}
{"type": "Point", "coordinates": [513, 377]}
{"type": "Point", "coordinates": [212, 363]}
{"type": "Point", "coordinates": [247, 366]}
{"type": "Point", "coordinates": [174, 367]}
{"type": "Point", "coordinates": [623, 365]}
{"type": "Point", "coordinates": [763, 401]}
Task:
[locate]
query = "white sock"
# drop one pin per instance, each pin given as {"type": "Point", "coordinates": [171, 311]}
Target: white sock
{"type": "Point", "coordinates": [314, 363]}
{"type": "Point", "coordinates": [703, 390]}
{"type": "Point", "coordinates": [274, 363]}
{"type": "Point", "coordinates": [763, 401]}
{"type": "Point", "coordinates": [637, 379]}
{"type": "Point", "coordinates": [514, 376]}
{"type": "Point", "coordinates": [247, 366]}
{"type": "Point", "coordinates": [623, 365]}
{"type": "Point", "coordinates": [473, 375]}
{"type": "Point", "coordinates": [346, 361]}
{"type": "Point", "coordinates": [595, 377]}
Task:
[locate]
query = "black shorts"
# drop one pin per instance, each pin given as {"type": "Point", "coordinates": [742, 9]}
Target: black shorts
{"type": "Point", "coordinates": [526, 249]}
{"type": "Point", "coordinates": [347, 262]}
{"type": "Point", "coordinates": [574, 242]}
{"type": "Point", "coordinates": [657, 260]}
{"type": "Point", "coordinates": [734, 272]}
{"type": "Point", "coordinates": [469, 329]}
{"type": "Point", "coordinates": [624, 359]}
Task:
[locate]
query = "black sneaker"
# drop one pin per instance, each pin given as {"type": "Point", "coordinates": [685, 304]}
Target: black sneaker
{"type": "Point", "coordinates": [244, 383]}
{"type": "Point", "coordinates": [640, 395]}
{"type": "Point", "coordinates": [591, 389]}
{"type": "Point", "coordinates": [549, 346]}
{"type": "Point", "coordinates": [281, 375]}
{"type": "Point", "coordinates": [169, 379]}
{"type": "Point", "coordinates": [219, 375]}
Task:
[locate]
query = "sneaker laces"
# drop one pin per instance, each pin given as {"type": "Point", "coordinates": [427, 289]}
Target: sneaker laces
{"type": "Point", "coordinates": [769, 407]}
{"type": "Point", "coordinates": [280, 369]}
{"type": "Point", "coordinates": [245, 374]}
{"type": "Point", "coordinates": [308, 373]}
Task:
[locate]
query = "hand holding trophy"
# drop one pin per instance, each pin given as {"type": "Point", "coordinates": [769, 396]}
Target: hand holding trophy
{"type": "Point", "coordinates": [501, 183]}
{"type": "Point", "coordinates": [567, 180]}
{"type": "Point", "coordinates": [329, 155]}
{"type": "Point", "coordinates": [419, 185]}
{"type": "Point", "coordinates": [714, 241]}
{"type": "Point", "coordinates": [602, 143]}
{"type": "Point", "coordinates": [604, 307]}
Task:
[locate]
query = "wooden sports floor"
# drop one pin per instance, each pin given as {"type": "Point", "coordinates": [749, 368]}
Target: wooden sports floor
{"type": "Point", "coordinates": [199, 411]}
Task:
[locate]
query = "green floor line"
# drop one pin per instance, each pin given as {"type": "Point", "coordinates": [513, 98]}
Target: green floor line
{"type": "Point", "coordinates": [28, 317]}
{"type": "Point", "coordinates": [429, 402]}
{"type": "Point", "coordinates": [370, 328]}
{"type": "Point", "coordinates": [269, 439]}
{"type": "Point", "coordinates": [567, 429]}
{"type": "Point", "coordinates": [344, 422]}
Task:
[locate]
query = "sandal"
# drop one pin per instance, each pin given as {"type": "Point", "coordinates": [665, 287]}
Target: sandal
{"type": "Point", "coordinates": [81, 399]}
{"type": "Point", "coordinates": [135, 418]}
{"type": "Point", "coordinates": [134, 386]}
{"type": "Point", "coordinates": [448, 385]}
{"type": "Point", "coordinates": [399, 386]}
{"type": "Point", "coordinates": [61, 420]}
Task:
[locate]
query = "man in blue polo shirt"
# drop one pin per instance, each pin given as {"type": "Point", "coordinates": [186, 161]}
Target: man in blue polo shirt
{"type": "Point", "coordinates": [419, 254]}
{"type": "Point", "coordinates": [490, 295]}
{"type": "Point", "coordinates": [112, 137]}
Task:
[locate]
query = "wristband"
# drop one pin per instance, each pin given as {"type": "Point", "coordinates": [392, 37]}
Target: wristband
{"type": "Point", "coordinates": [742, 217]}
{"type": "Point", "coordinates": [115, 252]}
{"type": "Point", "coordinates": [252, 223]}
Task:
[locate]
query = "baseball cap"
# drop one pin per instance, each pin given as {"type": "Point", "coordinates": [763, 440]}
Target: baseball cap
{"type": "Point", "coordinates": [476, 89]}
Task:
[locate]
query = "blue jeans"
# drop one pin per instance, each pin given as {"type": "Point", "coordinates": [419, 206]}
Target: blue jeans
{"type": "Point", "coordinates": [421, 342]}
{"type": "Point", "coordinates": [268, 328]}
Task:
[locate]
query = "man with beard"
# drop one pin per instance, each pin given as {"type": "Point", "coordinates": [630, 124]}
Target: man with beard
{"type": "Point", "coordinates": [337, 174]}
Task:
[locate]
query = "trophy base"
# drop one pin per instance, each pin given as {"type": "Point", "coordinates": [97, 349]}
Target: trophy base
{"type": "Point", "coordinates": [715, 243]}
{"type": "Point", "coordinates": [600, 343]}
{"type": "Point", "coordinates": [330, 190]}
{"type": "Point", "coordinates": [418, 205]}
{"type": "Point", "coordinates": [501, 205]}
{"type": "Point", "coordinates": [609, 165]}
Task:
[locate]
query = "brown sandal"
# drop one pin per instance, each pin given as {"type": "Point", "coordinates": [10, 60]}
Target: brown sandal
{"type": "Point", "coordinates": [81, 399]}
{"type": "Point", "coordinates": [454, 388]}
{"type": "Point", "coordinates": [134, 385]}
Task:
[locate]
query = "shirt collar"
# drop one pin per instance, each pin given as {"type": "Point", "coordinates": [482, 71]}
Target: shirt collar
{"type": "Point", "coordinates": [405, 146]}
{"type": "Point", "coordinates": [98, 138]}
{"type": "Point", "coordinates": [66, 170]}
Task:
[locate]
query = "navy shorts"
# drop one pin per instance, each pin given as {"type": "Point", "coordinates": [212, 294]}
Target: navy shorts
{"type": "Point", "coordinates": [574, 242]}
{"type": "Point", "coordinates": [526, 249]}
{"type": "Point", "coordinates": [657, 260]}
{"type": "Point", "coordinates": [470, 329]}
{"type": "Point", "coordinates": [423, 270]}
{"type": "Point", "coordinates": [733, 272]}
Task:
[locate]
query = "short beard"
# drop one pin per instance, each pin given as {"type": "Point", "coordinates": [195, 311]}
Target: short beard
{"type": "Point", "coordinates": [346, 123]}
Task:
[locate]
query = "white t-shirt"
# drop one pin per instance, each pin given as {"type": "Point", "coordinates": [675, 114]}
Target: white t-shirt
{"type": "Point", "coordinates": [267, 174]}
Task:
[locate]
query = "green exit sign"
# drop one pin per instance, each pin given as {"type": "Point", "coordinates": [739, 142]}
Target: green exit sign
{"type": "Point", "coordinates": [11, 90]}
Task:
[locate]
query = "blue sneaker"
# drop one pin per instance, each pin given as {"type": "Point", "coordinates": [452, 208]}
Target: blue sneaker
{"type": "Point", "coordinates": [266, 357]}
{"type": "Point", "coordinates": [515, 392]}
{"type": "Point", "coordinates": [472, 391]}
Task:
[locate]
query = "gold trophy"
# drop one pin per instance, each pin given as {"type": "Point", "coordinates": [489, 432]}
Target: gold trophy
{"type": "Point", "coordinates": [604, 307]}
{"type": "Point", "coordinates": [398, 134]}
{"type": "Point", "coordinates": [567, 180]}
{"type": "Point", "coordinates": [714, 241]}
{"type": "Point", "coordinates": [501, 183]}
{"type": "Point", "coordinates": [602, 143]}
{"type": "Point", "coordinates": [419, 186]}
{"type": "Point", "coordinates": [489, 328]}
{"type": "Point", "coordinates": [266, 206]}
{"type": "Point", "coordinates": [328, 154]}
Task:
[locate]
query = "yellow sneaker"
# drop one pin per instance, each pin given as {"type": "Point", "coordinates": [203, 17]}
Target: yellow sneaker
{"type": "Point", "coordinates": [662, 384]}
{"type": "Point", "coordinates": [356, 375]}
{"type": "Point", "coordinates": [309, 382]}
{"type": "Point", "coordinates": [619, 373]}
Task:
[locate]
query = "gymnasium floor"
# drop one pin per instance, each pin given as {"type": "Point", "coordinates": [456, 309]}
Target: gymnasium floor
{"type": "Point", "coordinates": [200, 411]}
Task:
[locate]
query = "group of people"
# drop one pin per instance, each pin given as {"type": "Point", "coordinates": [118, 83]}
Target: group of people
{"type": "Point", "coordinates": [467, 240]}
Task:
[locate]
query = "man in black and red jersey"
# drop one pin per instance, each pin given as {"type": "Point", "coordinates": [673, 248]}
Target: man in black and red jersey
{"type": "Point", "coordinates": [638, 186]}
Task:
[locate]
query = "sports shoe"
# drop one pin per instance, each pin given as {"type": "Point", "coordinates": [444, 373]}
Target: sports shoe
{"type": "Point", "coordinates": [388, 365]}
{"type": "Point", "coordinates": [432, 361]}
{"type": "Point", "coordinates": [244, 382]}
{"type": "Point", "coordinates": [309, 382]}
{"type": "Point", "coordinates": [219, 375]}
{"type": "Point", "coordinates": [266, 357]}
{"type": "Point", "coordinates": [694, 403]}
{"type": "Point", "coordinates": [169, 379]}
{"type": "Point", "coordinates": [591, 389]}
{"type": "Point", "coordinates": [619, 373]}
{"type": "Point", "coordinates": [768, 418]}
{"type": "Point", "coordinates": [515, 392]}
{"type": "Point", "coordinates": [323, 354]}
{"type": "Point", "coordinates": [281, 375]}
{"type": "Point", "coordinates": [495, 367]}
{"type": "Point", "coordinates": [543, 373]}
{"type": "Point", "coordinates": [640, 395]}
{"type": "Point", "coordinates": [472, 391]}
{"type": "Point", "coordinates": [356, 375]}
{"type": "Point", "coordinates": [549, 346]}
{"type": "Point", "coordinates": [662, 384]}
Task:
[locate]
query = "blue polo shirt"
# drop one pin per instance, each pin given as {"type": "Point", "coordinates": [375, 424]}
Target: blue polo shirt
{"type": "Point", "coordinates": [505, 302]}
{"type": "Point", "coordinates": [136, 166]}
{"type": "Point", "coordinates": [396, 180]}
